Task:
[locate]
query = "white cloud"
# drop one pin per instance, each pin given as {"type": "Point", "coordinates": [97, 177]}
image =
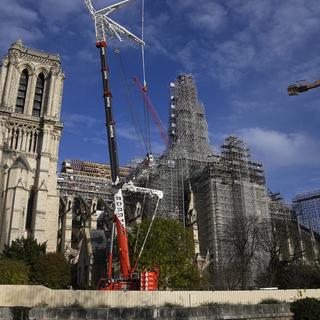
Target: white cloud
{"type": "Point", "coordinates": [279, 29]}
{"type": "Point", "coordinates": [18, 21]}
{"type": "Point", "coordinates": [95, 140]}
{"type": "Point", "coordinates": [127, 132]}
{"type": "Point", "coordinates": [206, 15]}
{"type": "Point", "coordinates": [14, 11]}
{"type": "Point", "coordinates": [258, 11]}
{"type": "Point", "coordinates": [75, 122]}
{"type": "Point", "coordinates": [278, 149]}
{"type": "Point", "coordinates": [11, 33]}
{"type": "Point", "coordinates": [185, 56]}
{"type": "Point", "coordinates": [259, 36]}
{"type": "Point", "coordinates": [87, 55]}
{"type": "Point", "coordinates": [155, 40]}
{"type": "Point", "coordinates": [57, 10]}
{"type": "Point", "coordinates": [241, 105]}
{"type": "Point", "coordinates": [293, 22]}
{"type": "Point", "coordinates": [234, 54]}
{"type": "Point", "coordinates": [306, 70]}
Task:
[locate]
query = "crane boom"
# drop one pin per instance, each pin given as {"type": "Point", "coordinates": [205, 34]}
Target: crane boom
{"type": "Point", "coordinates": [295, 89]}
{"type": "Point", "coordinates": [106, 26]}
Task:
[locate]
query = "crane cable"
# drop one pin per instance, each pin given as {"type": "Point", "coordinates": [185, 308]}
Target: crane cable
{"type": "Point", "coordinates": [147, 235]}
{"type": "Point", "coordinates": [141, 215]}
{"type": "Point", "coordinates": [137, 127]}
{"type": "Point", "coordinates": [142, 47]}
{"type": "Point", "coordinates": [145, 87]}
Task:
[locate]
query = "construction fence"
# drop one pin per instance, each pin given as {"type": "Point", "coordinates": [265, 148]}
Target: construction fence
{"type": "Point", "coordinates": [39, 296]}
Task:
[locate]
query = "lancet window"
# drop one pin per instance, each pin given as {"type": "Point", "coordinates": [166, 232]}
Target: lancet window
{"type": "Point", "coordinates": [29, 210]}
{"type": "Point", "coordinates": [22, 91]}
{"type": "Point", "coordinates": [38, 96]}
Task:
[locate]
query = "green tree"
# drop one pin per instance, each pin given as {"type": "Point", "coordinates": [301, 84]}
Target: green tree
{"type": "Point", "coordinates": [51, 270]}
{"type": "Point", "coordinates": [13, 272]}
{"type": "Point", "coordinates": [295, 274]}
{"type": "Point", "coordinates": [25, 249]}
{"type": "Point", "coordinates": [306, 309]}
{"type": "Point", "coordinates": [170, 247]}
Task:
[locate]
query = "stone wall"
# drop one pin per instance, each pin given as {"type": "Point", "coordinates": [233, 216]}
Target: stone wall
{"type": "Point", "coordinates": [231, 312]}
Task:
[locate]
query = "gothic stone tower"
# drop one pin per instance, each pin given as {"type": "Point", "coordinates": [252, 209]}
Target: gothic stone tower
{"type": "Point", "coordinates": [31, 84]}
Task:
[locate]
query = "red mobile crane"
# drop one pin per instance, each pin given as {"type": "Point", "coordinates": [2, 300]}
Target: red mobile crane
{"type": "Point", "coordinates": [129, 279]}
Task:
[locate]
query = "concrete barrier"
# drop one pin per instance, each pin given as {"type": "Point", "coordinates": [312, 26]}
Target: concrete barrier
{"type": "Point", "coordinates": [33, 296]}
{"type": "Point", "coordinates": [220, 312]}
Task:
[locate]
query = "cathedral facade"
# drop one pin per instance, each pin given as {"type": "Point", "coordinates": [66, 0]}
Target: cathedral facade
{"type": "Point", "coordinates": [31, 85]}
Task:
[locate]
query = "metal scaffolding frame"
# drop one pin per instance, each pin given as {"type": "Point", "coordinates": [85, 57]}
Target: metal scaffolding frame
{"type": "Point", "coordinates": [307, 209]}
{"type": "Point", "coordinates": [188, 151]}
{"type": "Point", "coordinates": [231, 186]}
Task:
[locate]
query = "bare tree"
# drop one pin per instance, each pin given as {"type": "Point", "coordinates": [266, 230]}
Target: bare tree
{"type": "Point", "coordinates": [290, 251]}
{"type": "Point", "coordinates": [274, 241]}
{"type": "Point", "coordinates": [241, 241]}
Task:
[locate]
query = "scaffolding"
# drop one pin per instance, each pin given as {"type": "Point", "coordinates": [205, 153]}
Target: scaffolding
{"type": "Point", "coordinates": [230, 188]}
{"type": "Point", "coordinates": [233, 186]}
{"type": "Point", "coordinates": [86, 201]}
{"type": "Point", "coordinates": [88, 179]}
{"type": "Point", "coordinates": [298, 222]}
{"type": "Point", "coordinates": [92, 169]}
{"type": "Point", "coordinates": [88, 185]}
{"type": "Point", "coordinates": [201, 187]}
{"type": "Point", "coordinates": [307, 210]}
{"type": "Point", "coordinates": [279, 210]}
{"type": "Point", "coordinates": [188, 150]}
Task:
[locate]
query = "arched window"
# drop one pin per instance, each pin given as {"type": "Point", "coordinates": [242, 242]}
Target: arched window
{"type": "Point", "coordinates": [22, 91]}
{"type": "Point", "coordinates": [38, 97]}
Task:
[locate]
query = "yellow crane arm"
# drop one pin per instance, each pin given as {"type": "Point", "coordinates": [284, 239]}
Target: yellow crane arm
{"type": "Point", "coordinates": [295, 89]}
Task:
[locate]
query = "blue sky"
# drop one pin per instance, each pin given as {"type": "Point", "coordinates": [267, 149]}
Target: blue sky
{"type": "Point", "coordinates": [242, 53]}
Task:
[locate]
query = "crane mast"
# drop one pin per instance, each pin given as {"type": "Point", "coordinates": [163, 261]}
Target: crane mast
{"type": "Point", "coordinates": [105, 26]}
{"type": "Point", "coordinates": [114, 164]}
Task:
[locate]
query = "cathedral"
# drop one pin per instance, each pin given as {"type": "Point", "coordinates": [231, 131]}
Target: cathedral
{"type": "Point", "coordinates": [31, 85]}
{"type": "Point", "coordinates": [203, 189]}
